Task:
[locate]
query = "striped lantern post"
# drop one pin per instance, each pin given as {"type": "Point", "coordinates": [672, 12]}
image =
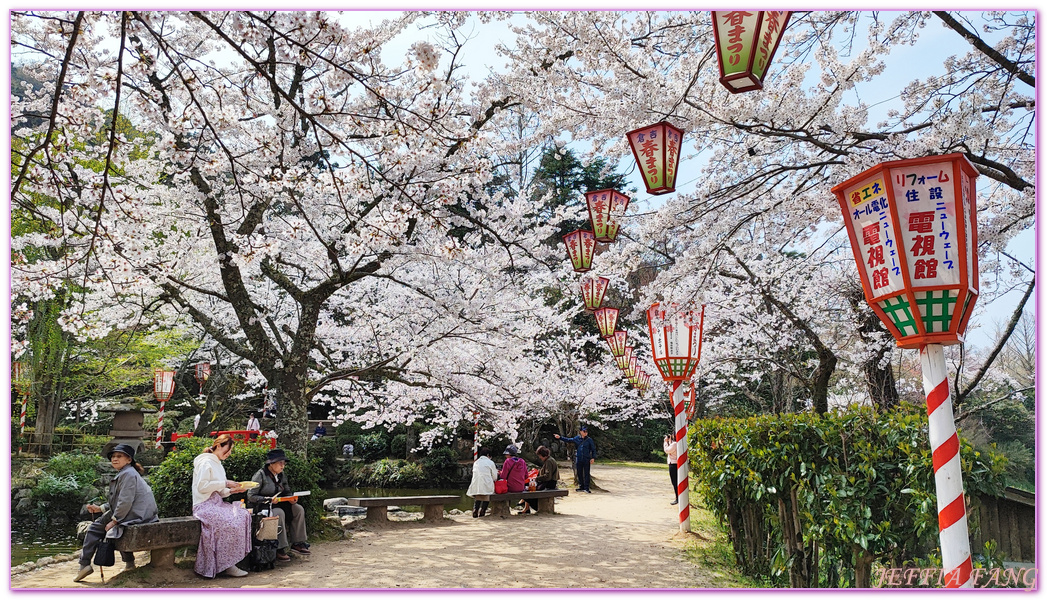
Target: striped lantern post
{"type": "Point", "coordinates": [948, 480]}
{"type": "Point", "coordinates": [676, 345]}
{"type": "Point", "coordinates": [163, 389]}
{"type": "Point", "coordinates": [476, 434]}
{"type": "Point", "coordinates": [23, 382]}
{"type": "Point", "coordinates": [913, 231]}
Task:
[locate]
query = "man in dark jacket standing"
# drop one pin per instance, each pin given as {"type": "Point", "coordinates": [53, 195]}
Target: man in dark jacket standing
{"type": "Point", "coordinates": [584, 456]}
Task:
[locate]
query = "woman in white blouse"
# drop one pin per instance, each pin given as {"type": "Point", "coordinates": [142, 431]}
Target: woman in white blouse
{"type": "Point", "coordinates": [225, 529]}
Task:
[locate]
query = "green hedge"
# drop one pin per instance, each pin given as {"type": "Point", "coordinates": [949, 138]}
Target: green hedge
{"type": "Point", "coordinates": [859, 484]}
{"type": "Point", "coordinates": [172, 480]}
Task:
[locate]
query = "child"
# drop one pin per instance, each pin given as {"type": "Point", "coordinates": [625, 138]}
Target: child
{"type": "Point", "coordinates": [484, 476]}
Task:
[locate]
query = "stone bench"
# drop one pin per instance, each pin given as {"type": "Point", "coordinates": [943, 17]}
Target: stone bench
{"type": "Point", "coordinates": [377, 508]}
{"type": "Point", "coordinates": [500, 502]}
{"type": "Point", "coordinates": [161, 539]}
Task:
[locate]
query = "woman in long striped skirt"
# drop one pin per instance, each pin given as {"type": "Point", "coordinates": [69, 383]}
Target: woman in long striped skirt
{"type": "Point", "coordinates": [225, 529]}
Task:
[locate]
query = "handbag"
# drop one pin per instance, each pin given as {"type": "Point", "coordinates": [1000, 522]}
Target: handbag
{"type": "Point", "coordinates": [268, 528]}
{"type": "Point", "coordinates": [105, 553]}
{"type": "Point", "coordinates": [501, 487]}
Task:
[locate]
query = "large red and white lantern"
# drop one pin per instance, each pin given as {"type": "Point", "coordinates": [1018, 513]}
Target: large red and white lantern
{"type": "Point", "coordinates": [656, 149]}
{"type": "Point", "coordinates": [606, 320]}
{"type": "Point", "coordinates": [913, 231]}
{"type": "Point", "coordinates": [581, 245]}
{"type": "Point", "coordinates": [676, 343]}
{"type": "Point", "coordinates": [676, 340]}
{"type": "Point", "coordinates": [593, 290]}
{"type": "Point", "coordinates": [163, 389]}
{"type": "Point", "coordinates": [617, 343]}
{"type": "Point", "coordinates": [606, 209]}
{"type": "Point", "coordinates": [746, 41]}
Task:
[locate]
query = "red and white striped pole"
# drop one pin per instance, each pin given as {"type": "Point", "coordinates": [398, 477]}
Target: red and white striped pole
{"type": "Point", "coordinates": [683, 503]}
{"type": "Point", "coordinates": [160, 425]}
{"type": "Point", "coordinates": [945, 449]}
{"type": "Point", "coordinates": [476, 434]}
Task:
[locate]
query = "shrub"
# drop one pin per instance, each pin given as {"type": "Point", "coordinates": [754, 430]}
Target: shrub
{"type": "Point", "coordinates": [372, 446]}
{"type": "Point", "coordinates": [859, 484]}
{"type": "Point", "coordinates": [440, 467]}
{"type": "Point", "coordinates": [323, 452]}
{"type": "Point", "coordinates": [83, 468]}
{"type": "Point", "coordinates": [172, 480]}
{"type": "Point", "coordinates": [398, 445]}
{"type": "Point", "coordinates": [57, 498]}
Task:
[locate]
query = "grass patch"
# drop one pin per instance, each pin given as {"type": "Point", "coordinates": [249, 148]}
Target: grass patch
{"type": "Point", "coordinates": [715, 555]}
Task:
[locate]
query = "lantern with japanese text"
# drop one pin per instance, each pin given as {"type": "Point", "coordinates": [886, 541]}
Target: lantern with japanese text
{"type": "Point", "coordinates": [644, 382]}
{"type": "Point", "coordinates": [623, 360]}
{"type": "Point", "coordinates": [617, 343]}
{"type": "Point", "coordinates": [580, 247]}
{"type": "Point", "coordinates": [631, 369]}
{"type": "Point", "coordinates": [689, 405]}
{"type": "Point", "coordinates": [606, 209]}
{"type": "Point", "coordinates": [746, 41]}
{"type": "Point", "coordinates": [593, 290]}
{"type": "Point", "coordinates": [203, 371]}
{"type": "Point", "coordinates": [656, 149]}
{"type": "Point", "coordinates": [163, 389]}
{"type": "Point", "coordinates": [913, 231]}
{"type": "Point", "coordinates": [606, 320]}
{"type": "Point", "coordinates": [676, 343]}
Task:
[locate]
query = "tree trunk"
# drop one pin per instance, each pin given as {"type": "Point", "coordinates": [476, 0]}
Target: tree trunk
{"type": "Point", "coordinates": [863, 561]}
{"type": "Point", "coordinates": [820, 381]}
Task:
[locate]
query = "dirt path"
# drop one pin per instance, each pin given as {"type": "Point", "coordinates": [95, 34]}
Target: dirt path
{"type": "Point", "coordinates": [623, 537]}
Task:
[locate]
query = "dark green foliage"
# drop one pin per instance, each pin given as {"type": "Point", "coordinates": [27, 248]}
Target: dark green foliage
{"type": "Point", "coordinates": [59, 492]}
{"type": "Point", "coordinates": [628, 441]}
{"type": "Point", "coordinates": [84, 468]}
{"type": "Point", "coordinates": [172, 480]}
{"type": "Point", "coordinates": [863, 484]}
{"type": "Point", "coordinates": [398, 445]}
{"type": "Point", "coordinates": [441, 467]}
{"type": "Point", "coordinates": [323, 453]}
{"type": "Point", "coordinates": [372, 446]}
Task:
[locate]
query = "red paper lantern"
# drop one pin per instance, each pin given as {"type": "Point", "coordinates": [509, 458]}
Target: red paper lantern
{"type": "Point", "coordinates": [580, 247]}
{"type": "Point", "coordinates": [606, 319]}
{"type": "Point", "coordinates": [593, 290]}
{"type": "Point", "coordinates": [203, 371]}
{"type": "Point", "coordinates": [623, 360]}
{"type": "Point", "coordinates": [656, 149]}
{"type": "Point", "coordinates": [163, 384]}
{"type": "Point", "coordinates": [616, 343]}
{"type": "Point", "coordinates": [676, 340]}
{"type": "Point", "coordinates": [746, 41]}
{"type": "Point", "coordinates": [913, 230]}
{"type": "Point", "coordinates": [606, 208]}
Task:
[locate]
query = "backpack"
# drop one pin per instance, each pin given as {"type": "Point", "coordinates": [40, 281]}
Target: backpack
{"type": "Point", "coordinates": [262, 555]}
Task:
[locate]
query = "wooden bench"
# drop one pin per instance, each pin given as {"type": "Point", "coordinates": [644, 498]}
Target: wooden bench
{"type": "Point", "coordinates": [377, 508]}
{"type": "Point", "coordinates": [160, 539]}
{"type": "Point", "coordinates": [500, 502]}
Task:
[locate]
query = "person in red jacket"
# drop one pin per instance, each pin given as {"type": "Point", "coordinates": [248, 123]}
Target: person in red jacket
{"type": "Point", "coordinates": [514, 470]}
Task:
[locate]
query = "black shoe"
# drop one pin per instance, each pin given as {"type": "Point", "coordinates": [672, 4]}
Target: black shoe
{"type": "Point", "coordinates": [588, 491]}
{"type": "Point", "coordinates": [579, 490]}
{"type": "Point", "coordinates": [476, 514]}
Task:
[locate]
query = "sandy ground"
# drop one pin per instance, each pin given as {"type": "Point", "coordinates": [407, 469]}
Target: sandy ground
{"type": "Point", "coordinates": [623, 535]}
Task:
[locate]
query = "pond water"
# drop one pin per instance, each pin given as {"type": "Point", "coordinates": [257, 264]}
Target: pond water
{"type": "Point", "coordinates": [30, 542]}
{"type": "Point", "coordinates": [465, 503]}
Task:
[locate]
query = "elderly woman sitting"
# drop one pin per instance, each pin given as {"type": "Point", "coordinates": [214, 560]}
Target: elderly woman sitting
{"type": "Point", "coordinates": [130, 501]}
{"type": "Point", "coordinates": [272, 484]}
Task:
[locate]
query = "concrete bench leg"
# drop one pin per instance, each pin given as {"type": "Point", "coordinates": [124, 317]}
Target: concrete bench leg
{"type": "Point", "coordinates": [378, 514]}
{"type": "Point", "coordinates": [546, 505]}
{"type": "Point", "coordinates": [499, 508]}
{"type": "Point", "coordinates": [434, 512]}
{"type": "Point", "coordinates": [162, 558]}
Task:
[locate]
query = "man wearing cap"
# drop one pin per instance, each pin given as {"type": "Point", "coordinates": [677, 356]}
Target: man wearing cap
{"type": "Point", "coordinates": [129, 502]}
{"type": "Point", "coordinates": [584, 456]}
{"type": "Point", "coordinates": [272, 483]}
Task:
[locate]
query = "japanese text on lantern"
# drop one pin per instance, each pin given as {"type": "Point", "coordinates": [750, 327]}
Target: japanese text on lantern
{"type": "Point", "coordinates": [672, 147]}
{"type": "Point", "coordinates": [772, 22]}
{"type": "Point", "coordinates": [650, 150]}
{"type": "Point", "coordinates": [874, 236]}
{"type": "Point", "coordinates": [926, 205]}
{"type": "Point", "coordinates": [739, 24]}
